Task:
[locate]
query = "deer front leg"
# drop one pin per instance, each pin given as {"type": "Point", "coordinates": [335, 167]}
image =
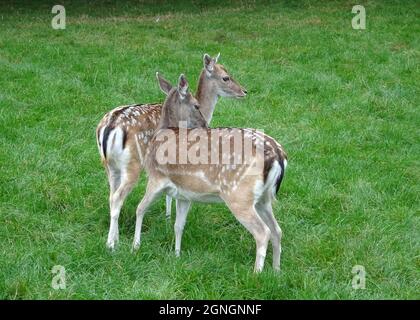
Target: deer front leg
{"type": "Point", "coordinates": [153, 190]}
{"type": "Point", "coordinates": [182, 208]}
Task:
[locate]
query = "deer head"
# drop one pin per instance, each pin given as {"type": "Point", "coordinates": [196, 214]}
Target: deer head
{"type": "Point", "coordinates": [219, 78]}
{"type": "Point", "coordinates": [180, 105]}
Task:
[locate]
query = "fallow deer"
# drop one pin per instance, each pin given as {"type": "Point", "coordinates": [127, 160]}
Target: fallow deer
{"type": "Point", "coordinates": [124, 133]}
{"type": "Point", "coordinates": [247, 186]}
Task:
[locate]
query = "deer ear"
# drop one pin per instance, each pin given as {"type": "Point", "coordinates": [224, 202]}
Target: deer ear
{"type": "Point", "coordinates": [182, 86]}
{"type": "Point", "coordinates": [164, 85]}
{"type": "Point", "coordinates": [208, 63]}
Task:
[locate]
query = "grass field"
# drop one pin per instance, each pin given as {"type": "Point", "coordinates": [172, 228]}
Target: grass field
{"type": "Point", "coordinates": [343, 102]}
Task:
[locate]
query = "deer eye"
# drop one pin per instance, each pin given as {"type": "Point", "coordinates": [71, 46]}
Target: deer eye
{"type": "Point", "coordinates": [196, 106]}
{"type": "Point", "coordinates": [226, 79]}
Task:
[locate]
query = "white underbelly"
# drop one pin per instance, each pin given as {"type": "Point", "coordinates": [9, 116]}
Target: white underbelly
{"type": "Point", "coordinates": [183, 194]}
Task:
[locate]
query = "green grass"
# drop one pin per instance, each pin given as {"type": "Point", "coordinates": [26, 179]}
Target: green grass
{"type": "Point", "coordinates": [343, 102]}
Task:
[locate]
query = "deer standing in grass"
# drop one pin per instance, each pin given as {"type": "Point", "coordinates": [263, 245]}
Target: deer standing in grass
{"type": "Point", "coordinates": [124, 133]}
{"type": "Point", "coordinates": [221, 174]}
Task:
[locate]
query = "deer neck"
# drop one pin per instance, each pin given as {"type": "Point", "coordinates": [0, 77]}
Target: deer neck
{"type": "Point", "coordinates": [207, 96]}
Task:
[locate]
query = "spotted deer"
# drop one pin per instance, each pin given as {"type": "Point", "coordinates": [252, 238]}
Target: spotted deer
{"type": "Point", "coordinates": [124, 133]}
{"type": "Point", "coordinates": [221, 174]}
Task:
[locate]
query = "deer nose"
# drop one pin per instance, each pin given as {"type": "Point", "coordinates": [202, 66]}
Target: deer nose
{"type": "Point", "coordinates": [244, 91]}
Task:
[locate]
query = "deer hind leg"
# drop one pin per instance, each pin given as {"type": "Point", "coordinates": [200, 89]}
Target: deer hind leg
{"type": "Point", "coordinates": [153, 190]}
{"type": "Point", "coordinates": [128, 179]}
{"type": "Point", "coordinates": [114, 179]}
{"type": "Point", "coordinates": [265, 210]}
{"type": "Point", "coordinates": [246, 214]}
{"type": "Point", "coordinates": [168, 206]}
{"type": "Point", "coordinates": [182, 208]}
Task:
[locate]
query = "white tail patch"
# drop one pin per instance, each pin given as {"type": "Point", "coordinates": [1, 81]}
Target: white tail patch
{"type": "Point", "coordinates": [115, 143]}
